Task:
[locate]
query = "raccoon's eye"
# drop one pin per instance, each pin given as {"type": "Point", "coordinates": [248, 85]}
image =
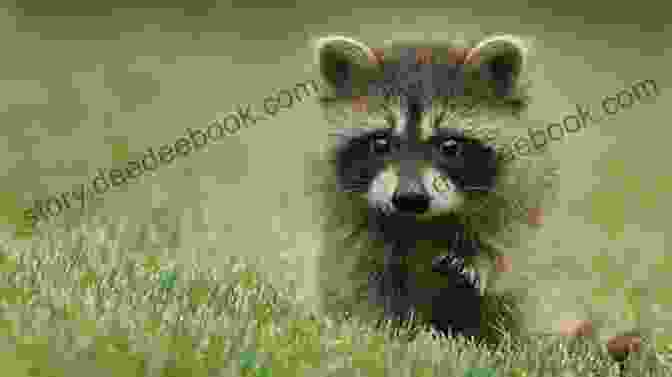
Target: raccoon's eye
{"type": "Point", "coordinates": [450, 148]}
{"type": "Point", "coordinates": [380, 144]}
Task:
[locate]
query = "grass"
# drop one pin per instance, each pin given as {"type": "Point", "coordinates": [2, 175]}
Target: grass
{"type": "Point", "coordinates": [75, 304]}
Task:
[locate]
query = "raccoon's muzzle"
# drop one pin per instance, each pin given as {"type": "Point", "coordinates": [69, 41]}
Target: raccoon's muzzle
{"type": "Point", "coordinates": [410, 197]}
{"type": "Point", "coordinates": [411, 203]}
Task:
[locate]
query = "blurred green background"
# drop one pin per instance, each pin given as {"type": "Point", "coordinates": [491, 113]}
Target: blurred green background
{"type": "Point", "coordinates": [84, 86]}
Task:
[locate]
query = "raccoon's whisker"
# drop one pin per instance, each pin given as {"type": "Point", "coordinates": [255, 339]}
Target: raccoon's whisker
{"type": "Point", "coordinates": [359, 181]}
{"type": "Point", "coordinates": [354, 182]}
{"type": "Point", "coordinates": [342, 133]}
{"type": "Point", "coordinates": [478, 188]}
{"type": "Point", "coordinates": [350, 187]}
{"type": "Point", "coordinates": [353, 188]}
{"type": "Point", "coordinates": [358, 187]}
{"type": "Point", "coordinates": [352, 191]}
{"type": "Point", "coordinates": [360, 178]}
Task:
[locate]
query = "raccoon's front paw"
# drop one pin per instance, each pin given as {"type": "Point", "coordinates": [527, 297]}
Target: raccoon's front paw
{"type": "Point", "coordinates": [448, 263]}
{"type": "Point", "coordinates": [453, 266]}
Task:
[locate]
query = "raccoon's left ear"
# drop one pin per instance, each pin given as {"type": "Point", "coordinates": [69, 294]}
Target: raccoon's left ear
{"type": "Point", "coordinates": [498, 62]}
{"type": "Point", "coordinates": [347, 65]}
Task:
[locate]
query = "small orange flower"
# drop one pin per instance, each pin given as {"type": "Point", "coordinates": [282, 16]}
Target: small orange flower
{"type": "Point", "coordinates": [423, 56]}
{"type": "Point", "coordinates": [576, 328]}
{"type": "Point", "coordinates": [457, 55]}
{"type": "Point", "coordinates": [377, 56]}
{"type": "Point", "coordinates": [621, 345]}
{"type": "Point", "coordinates": [535, 216]}
{"type": "Point", "coordinates": [503, 263]}
{"type": "Point", "coordinates": [471, 56]}
{"type": "Point", "coordinates": [360, 104]}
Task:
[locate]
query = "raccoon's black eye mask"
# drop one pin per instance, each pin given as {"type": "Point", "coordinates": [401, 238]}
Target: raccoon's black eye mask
{"type": "Point", "coordinates": [381, 143]}
{"type": "Point", "coordinates": [450, 147]}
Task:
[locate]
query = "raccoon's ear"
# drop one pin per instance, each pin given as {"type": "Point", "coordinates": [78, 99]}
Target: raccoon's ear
{"type": "Point", "coordinates": [345, 64]}
{"type": "Point", "coordinates": [498, 62]}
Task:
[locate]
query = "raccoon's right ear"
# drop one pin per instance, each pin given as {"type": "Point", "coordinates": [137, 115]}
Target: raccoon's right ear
{"type": "Point", "coordinates": [345, 64]}
{"type": "Point", "coordinates": [499, 62]}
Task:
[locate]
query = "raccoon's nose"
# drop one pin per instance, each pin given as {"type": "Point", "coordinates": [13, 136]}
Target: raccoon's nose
{"type": "Point", "coordinates": [411, 202]}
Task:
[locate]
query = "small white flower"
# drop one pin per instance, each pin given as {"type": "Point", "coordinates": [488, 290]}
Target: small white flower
{"type": "Point", "coordinates": [238, 267]}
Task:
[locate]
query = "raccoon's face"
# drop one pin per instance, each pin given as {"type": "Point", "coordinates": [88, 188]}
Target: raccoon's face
{"type": "Point", "coordinates": [409, 160]}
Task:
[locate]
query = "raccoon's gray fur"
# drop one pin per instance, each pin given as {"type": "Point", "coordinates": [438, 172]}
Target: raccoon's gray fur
{"type": "Point", "coordinates": [411, 196]}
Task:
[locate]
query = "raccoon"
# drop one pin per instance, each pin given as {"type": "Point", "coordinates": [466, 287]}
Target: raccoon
{"type": "Point", "coordinates": [414, 202]}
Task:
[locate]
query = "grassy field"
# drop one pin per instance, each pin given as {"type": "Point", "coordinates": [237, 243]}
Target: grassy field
{"type": "Point", "coordinates": [74, 303]}
{"type": "Point", "coordinates": [89, 87]}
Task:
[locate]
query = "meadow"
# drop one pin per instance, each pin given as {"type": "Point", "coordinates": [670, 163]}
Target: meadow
{"type": "Point", "coordinates": [74, 302]}
{"type": "Point", "coordinates": [89, 85]}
